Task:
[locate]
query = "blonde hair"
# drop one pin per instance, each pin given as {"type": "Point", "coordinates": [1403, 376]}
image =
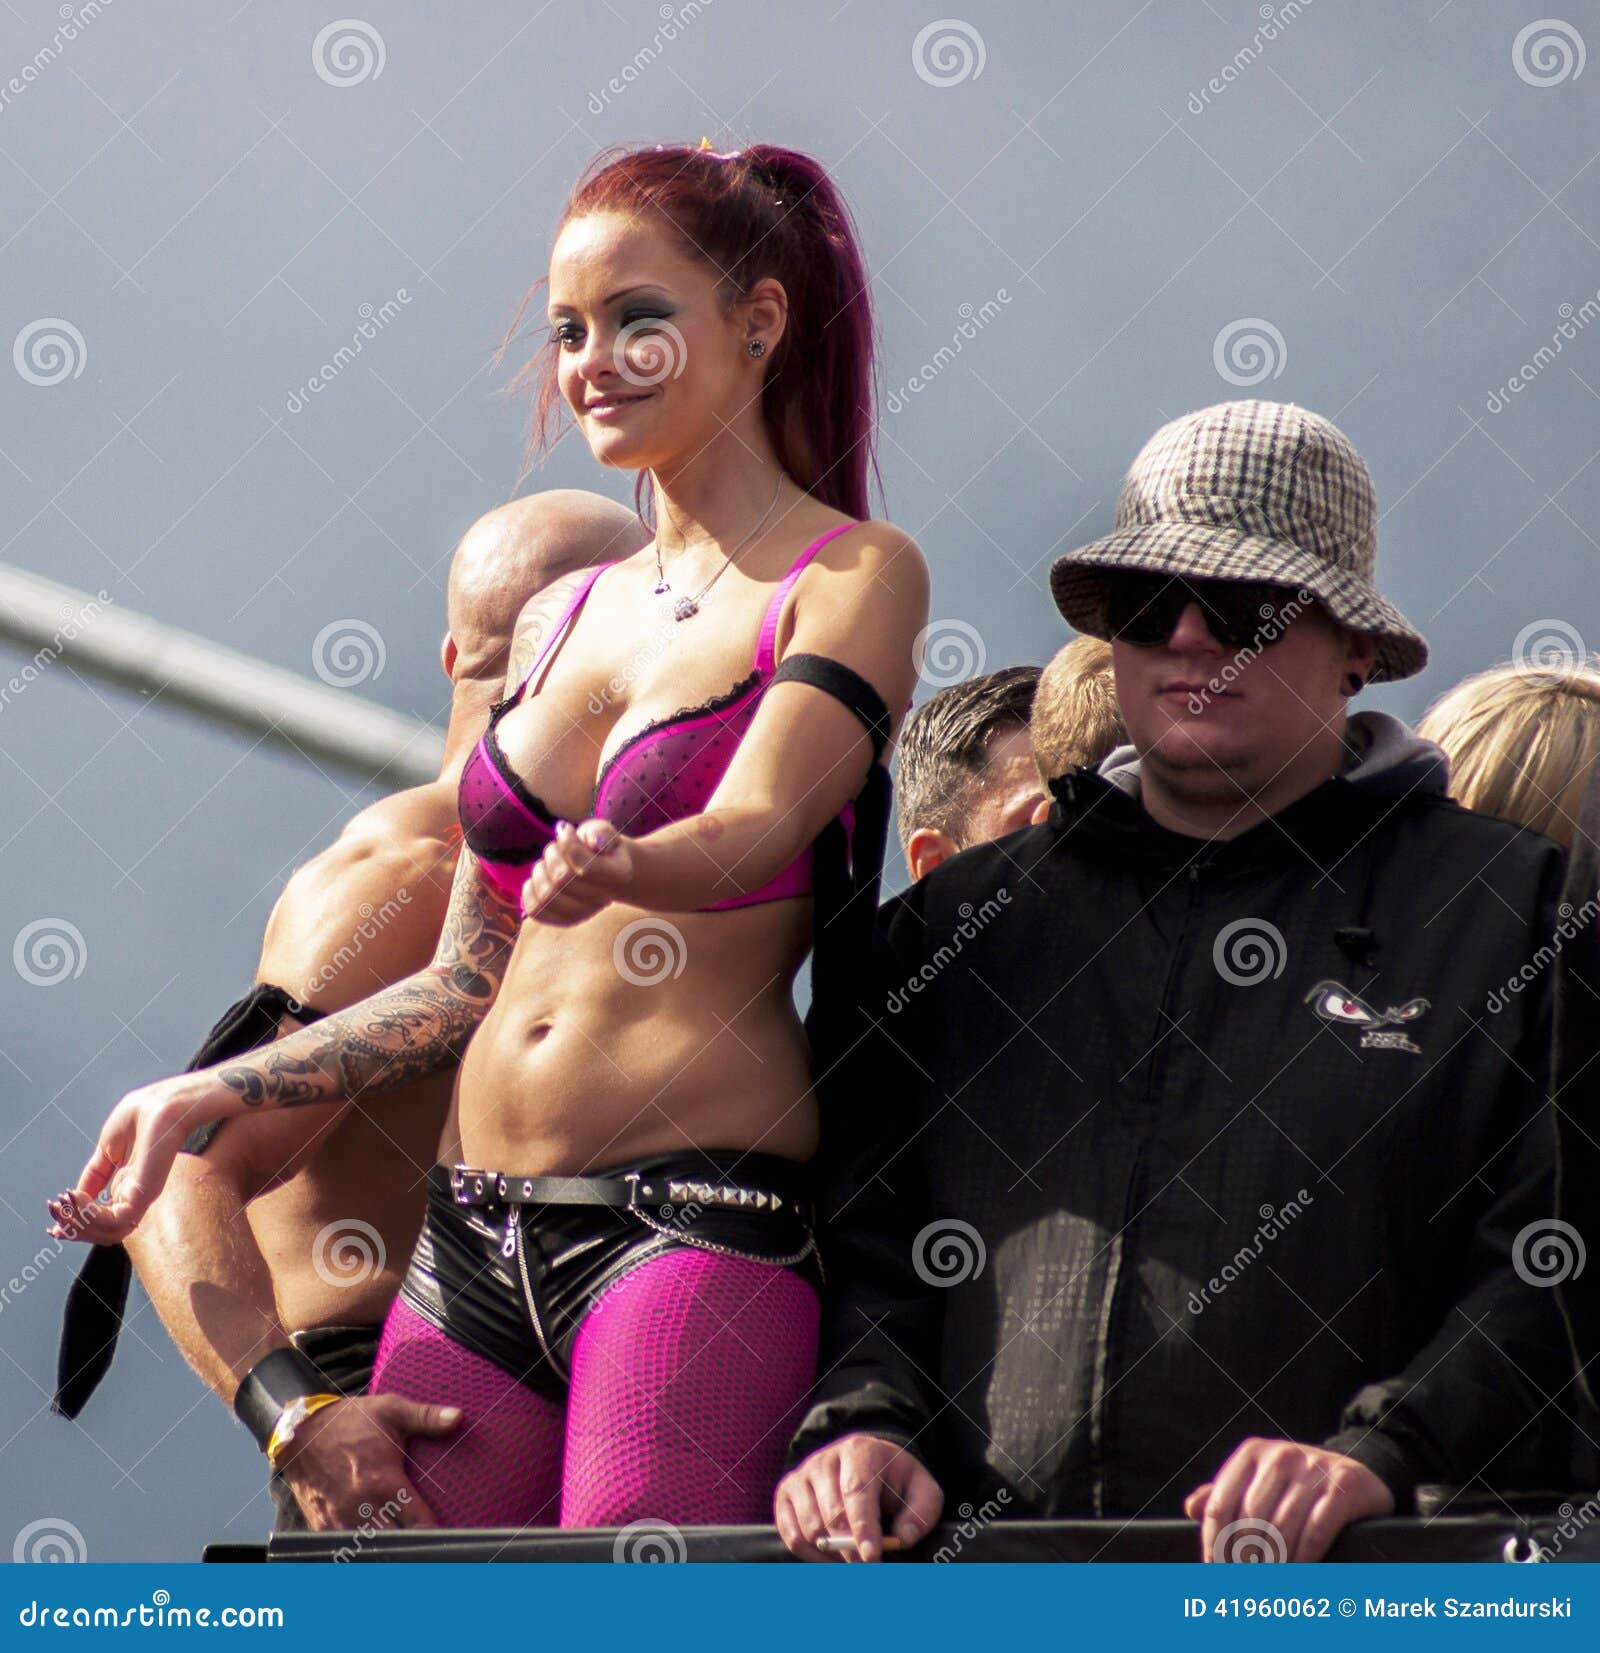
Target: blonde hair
{"type": "Point", "coordinates": [1076, 719]}
{"type": "Point", "coordinates": [1522, 743]}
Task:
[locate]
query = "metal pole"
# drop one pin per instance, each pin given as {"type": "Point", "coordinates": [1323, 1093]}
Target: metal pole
{"type": "Point", "coordinates": [224, 686]}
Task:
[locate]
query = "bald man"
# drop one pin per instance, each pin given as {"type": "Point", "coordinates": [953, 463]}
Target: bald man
{"type": "Point", "coordinates": [277, 1244]}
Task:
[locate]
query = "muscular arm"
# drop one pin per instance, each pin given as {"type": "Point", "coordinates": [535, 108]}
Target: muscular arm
{"type": "Point", "coordinates": [398, 1035]}
{"type": "Point", "coordinates": [198, 1257]}
{"type": "Point", "coordinates": [421, 1023]}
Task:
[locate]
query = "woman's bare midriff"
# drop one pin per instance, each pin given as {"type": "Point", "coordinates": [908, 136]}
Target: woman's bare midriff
{"type": "Point", "coordinates": [600, 1048]}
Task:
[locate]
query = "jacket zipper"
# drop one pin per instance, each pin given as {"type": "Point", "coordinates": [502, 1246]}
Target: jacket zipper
{"type": "Point", "coordinates": [1110, 1302]}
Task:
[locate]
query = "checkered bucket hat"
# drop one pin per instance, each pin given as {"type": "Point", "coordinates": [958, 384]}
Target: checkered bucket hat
{"type": "Point", "coordinates": [1248, 491]}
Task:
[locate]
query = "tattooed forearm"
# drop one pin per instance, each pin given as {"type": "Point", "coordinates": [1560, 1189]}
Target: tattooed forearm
{"type": "Point", "coordinates": [399, 1035]}
{"type": "Point", "coordinates": [410, 1029]}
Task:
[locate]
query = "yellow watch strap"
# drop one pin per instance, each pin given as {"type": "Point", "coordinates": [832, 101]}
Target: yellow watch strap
{"type": "Point", "coordinates": [310, 1405]}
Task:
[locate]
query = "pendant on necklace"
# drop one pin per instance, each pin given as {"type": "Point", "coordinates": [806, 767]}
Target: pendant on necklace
{"type": "Point", "coordinates": [685, 608]}
{"type": "Point", "coordinates": [662, 588]}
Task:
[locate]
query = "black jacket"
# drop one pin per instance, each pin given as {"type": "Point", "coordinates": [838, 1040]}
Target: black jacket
{"type": "Point", "coordinates": [1209, 1140]}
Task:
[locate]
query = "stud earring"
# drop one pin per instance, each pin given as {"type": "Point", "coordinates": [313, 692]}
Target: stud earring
{"type": "Point", "coordinates": [757, 347]}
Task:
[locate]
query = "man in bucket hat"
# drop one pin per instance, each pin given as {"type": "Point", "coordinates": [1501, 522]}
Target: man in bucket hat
{"type": "Point", "coordinates": [1175, 1164]}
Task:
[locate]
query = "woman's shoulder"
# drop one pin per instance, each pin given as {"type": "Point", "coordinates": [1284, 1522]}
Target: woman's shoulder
{"type": "Point", "coordinates": [879, 551]}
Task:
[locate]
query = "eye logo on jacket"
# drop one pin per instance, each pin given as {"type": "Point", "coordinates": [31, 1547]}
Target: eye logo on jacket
{"type": "Point", "coordinates": [1334, 1002]}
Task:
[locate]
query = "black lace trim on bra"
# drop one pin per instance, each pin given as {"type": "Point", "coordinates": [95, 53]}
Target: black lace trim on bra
{"type": "Point", "coordinates": [715, 704]}
{"type": "Point", "coordinates": [534, 804]}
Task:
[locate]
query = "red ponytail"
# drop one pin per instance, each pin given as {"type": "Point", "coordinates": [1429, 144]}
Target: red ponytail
{"type": "Point", "coordinates": [763, 211]}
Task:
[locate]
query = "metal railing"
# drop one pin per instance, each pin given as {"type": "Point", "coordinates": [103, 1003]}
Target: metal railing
{"type": "Point", "coordinates": [101, 639]}
{"type": "Point", "coordinates": [1547, 1535]}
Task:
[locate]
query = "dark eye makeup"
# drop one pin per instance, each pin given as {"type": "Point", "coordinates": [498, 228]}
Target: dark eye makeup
{"type": "Point", "coordinates": [568, 332]}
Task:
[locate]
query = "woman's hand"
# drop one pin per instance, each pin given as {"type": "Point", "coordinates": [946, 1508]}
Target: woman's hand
{"type": "Point", "coordinates": [586, 868]}
{"type": "Point", "coordinates": [138, 1143]}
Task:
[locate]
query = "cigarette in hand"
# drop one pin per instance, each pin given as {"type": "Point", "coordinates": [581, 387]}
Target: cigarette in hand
{"type": "Point", "coordinates": [829, 1545]}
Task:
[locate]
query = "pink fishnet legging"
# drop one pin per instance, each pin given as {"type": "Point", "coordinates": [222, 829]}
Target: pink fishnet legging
{"type": "Point", "coordinates": [688, 1378]}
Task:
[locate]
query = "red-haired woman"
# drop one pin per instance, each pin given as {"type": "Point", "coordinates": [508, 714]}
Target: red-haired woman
{"type": "Point", "coordinates": [616, 1280]}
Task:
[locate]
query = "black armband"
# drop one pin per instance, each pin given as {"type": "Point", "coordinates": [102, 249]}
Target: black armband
{"type": "Point", "coordinates": [845, 685]}
{"type": "Point", "coordinates": [277, 1378]}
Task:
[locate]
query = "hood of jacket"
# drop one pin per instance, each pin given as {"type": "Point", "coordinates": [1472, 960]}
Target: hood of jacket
{"type": "Point", "coordinates": [1386, 758]}
{"type": "Point", "coordinates": [1387, 763]}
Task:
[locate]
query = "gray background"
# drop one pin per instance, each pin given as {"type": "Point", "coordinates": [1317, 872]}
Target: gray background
{"type": "Point", "coordinates": [1380, 184]}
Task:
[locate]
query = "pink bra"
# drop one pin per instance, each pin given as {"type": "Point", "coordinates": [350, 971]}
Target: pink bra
{"type": "Point", "coordinates": [665, 772]}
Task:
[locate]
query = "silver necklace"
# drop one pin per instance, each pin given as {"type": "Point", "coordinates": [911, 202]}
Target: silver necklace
{"type": "Point", "coordinates": [685, 608]}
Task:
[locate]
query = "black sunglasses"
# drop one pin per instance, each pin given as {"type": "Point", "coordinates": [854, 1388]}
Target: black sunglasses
{"type": "Point", "coordinates": [1144, 608]}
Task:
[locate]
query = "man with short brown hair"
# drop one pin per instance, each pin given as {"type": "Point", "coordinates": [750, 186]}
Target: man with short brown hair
{"type": "Point", "coordinates": [964, 768]}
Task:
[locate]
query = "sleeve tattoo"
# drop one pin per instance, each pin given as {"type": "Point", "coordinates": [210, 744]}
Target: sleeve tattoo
{"type": "Point", "coordinates": [413, 1028]}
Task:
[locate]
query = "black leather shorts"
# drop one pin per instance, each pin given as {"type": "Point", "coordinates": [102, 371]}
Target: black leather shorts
{"type": "Point", "coordinates": [513, 1283]}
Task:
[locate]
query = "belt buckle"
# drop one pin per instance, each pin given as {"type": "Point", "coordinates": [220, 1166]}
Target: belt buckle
{"type": "Point", "coordinates": [458, 1184]}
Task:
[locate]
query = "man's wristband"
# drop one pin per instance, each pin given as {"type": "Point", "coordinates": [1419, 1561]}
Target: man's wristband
{"type": "Point", "coordinates": [269, 1386]}
{"type": "Point", "coordinates": [290, 1420]}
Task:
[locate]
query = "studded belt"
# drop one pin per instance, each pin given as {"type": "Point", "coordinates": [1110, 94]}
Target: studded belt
{"type": "Point", "coordinates": [629, 1189]}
